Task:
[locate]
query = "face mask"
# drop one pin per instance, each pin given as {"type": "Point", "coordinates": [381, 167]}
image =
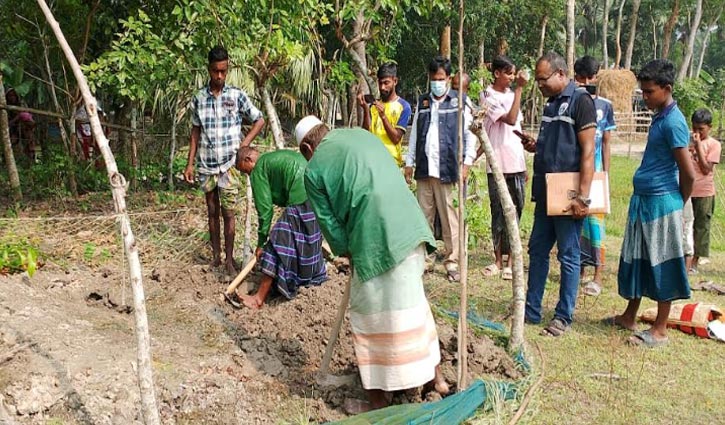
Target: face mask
{"type": "Point", "coordinates": [438, 88]}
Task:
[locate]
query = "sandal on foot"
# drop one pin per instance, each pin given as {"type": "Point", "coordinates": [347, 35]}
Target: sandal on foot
{"type": "Point", "coordinates": [611, 322]}
{"type": "Point", "coordinates": [556, 328]}
{"type": "Point", "coordinates": [646, 339]}
{"type": "Point", "coordinates": [507, 273]}
{"type": "Point", "coordinates": [592, 288]}
{"type": "Point", "coordinates": [491, 270]}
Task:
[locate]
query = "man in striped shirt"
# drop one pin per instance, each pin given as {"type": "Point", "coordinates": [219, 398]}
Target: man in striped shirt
{"type": "Point", "coordinates": [217, 112]}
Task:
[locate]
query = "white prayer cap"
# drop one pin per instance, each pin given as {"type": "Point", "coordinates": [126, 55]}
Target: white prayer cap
{"type": "Point", "coordinates": [304, 126]}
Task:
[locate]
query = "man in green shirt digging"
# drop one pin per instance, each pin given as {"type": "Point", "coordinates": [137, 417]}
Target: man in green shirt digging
{"type": "Point", "coordinates": [367, 213]}
{"type": "Point", "coordinates": [291, 254]}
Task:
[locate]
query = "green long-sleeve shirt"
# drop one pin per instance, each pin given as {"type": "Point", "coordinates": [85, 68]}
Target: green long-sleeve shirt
{"type": "Point", "coordinates": [277, 179]}
{"type": "Point", "coordinates": [362, 203]}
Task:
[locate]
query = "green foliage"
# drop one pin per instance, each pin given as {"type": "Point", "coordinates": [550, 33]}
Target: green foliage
{"type": "Point", "coordinates": [694, 93]}
{"type": "Point", "coordinates": [18, 257]}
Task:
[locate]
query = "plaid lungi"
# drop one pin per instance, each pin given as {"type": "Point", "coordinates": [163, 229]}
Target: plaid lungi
{"type": "Point", "coordinates": [293, 253]}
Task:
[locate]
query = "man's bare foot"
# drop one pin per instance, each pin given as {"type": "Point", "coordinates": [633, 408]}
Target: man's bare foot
{"type": "Point", "coordinates": [620, 322]}
{"type": "Point", "coordinates": [231, 268]}
{"type": "Point", "coordinates": [215, 261]}
{"type": "Point", "coordinates": [251, 301]}
{"type": "Point", "coordinates": [437, 384]}
{"type": "Point", "coordinates": [355, 406]}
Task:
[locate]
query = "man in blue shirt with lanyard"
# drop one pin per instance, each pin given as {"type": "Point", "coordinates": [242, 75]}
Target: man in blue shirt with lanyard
{"type": "Point", "coordinates": [565, 144]}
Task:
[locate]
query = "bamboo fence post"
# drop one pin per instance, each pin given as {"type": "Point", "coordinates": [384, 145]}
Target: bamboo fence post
{"type": "Point", "coordinates": [247, 250]}
{"type": "Point", "coordinates": [7, 145]}
{"type": "Point", "coordinates": [512, 227]}
{"type": "Point", "coordinates": [149, 409]}
{"type": "Point", "coordinates": [462, 245]}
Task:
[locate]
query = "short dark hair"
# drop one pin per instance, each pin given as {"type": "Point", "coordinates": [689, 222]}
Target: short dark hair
{"type": "Point", "coordinates": [501, 63]}
{"type": "Point", "coordinates": [388, 69]}
{"type": "Point", "coordinates": [555, 60]}
{"type": "Point", "coordinates": [702, 116]}
{"type": "Point", "coordinates": [586, 66]}
{"type": "Point", "coordinates": [218, 54]}
{"type": "Point", "coordinates": [439, 62]}
{"type": "Point", "coordinates": [659, 71]}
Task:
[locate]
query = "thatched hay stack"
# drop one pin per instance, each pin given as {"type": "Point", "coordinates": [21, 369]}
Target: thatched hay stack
{"type": "Point", "coordinates": [617, 85]}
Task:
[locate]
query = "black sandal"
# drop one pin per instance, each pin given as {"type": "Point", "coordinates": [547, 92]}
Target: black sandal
{"type": "Point", "coordinates": [556, 328]}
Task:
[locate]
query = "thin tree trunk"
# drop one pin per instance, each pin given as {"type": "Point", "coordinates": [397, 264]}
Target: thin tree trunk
{"type": "Point", "coordinates": [632, 34]}
{"type": "Point", "coordinates": [482, 62]}
{"type": "Point", "coordinates": [356, 50]}
{"type": "Point", "coordinates": [605, 31]}
{"type": "Point", "coordinates": [274, 123]}
{"type": "Point", "coordinates": [462, 239]}
{"type": "Point", "coordinates": [669, 28]}
{"type": "Point", "coordinates": [618, 36]}
{"type": "Point", "coordinates": [540, 52]}
{"type": "Point", "coordinates": [87, 31]}
{"type": "Point", "coordinates": [516, 341]}
{"type": "Point", "coordinates": [134, 147]}
{"type": "Point", "coordinates": [654, 38]}
{"type": "Point", "coordinates": [149, 410]}
{"type": "Point", "coordinates": [72, 181]}
{"type": "Point", "coordinates": [8, 147]}
{"type": "Point", "coordinates": [710, 27]}
{"type": "Point", "coordinates": [691, 37]}
{"type": "Point", "coordinates": [570, 40]}
{"type": "Point", "coordinates": [445, 47]}
{"type": "Point", "coordinates": [72, 184]}
{"type": "Point", "coordinates": [344, 109]}
{"type": "Point", "coordinates": [172, 154]}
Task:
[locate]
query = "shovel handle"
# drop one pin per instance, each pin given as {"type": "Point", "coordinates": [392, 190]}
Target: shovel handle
{"type": "Point", "coordinates": [325, 366]}
{"type": "Point", "coordinates": [240, 277]}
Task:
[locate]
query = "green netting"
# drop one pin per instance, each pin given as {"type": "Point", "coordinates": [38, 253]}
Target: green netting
{"type": "Point", "coordinates": [453, 409]}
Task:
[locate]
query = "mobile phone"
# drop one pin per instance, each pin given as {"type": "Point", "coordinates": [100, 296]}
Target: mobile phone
{"type": "Point", "coordinates": [591, 88]}
{"type": "Point", "coordinates": [522, 136]}
{"type": "Point", "coordinates": [370, 99]}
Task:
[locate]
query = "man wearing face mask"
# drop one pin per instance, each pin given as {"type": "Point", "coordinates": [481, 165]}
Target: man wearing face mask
{"type": "Point", "coordinates": [387, 118]}
{"type": "Point", "coordinates": [433, 153]}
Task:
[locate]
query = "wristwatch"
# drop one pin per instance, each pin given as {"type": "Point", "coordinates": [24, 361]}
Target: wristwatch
{"type": "Point", "coordinates": [585, 201]}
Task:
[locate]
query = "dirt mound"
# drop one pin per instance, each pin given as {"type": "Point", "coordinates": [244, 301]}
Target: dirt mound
{"type": "Point", "coordinates": [287, 339]}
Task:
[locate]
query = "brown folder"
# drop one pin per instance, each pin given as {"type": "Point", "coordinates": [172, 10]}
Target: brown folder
{"type": "Point", "coordinates": [562, 188]}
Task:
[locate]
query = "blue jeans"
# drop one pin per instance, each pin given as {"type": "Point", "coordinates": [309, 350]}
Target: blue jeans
{"type": "Point", "coordinates": [565, 231]}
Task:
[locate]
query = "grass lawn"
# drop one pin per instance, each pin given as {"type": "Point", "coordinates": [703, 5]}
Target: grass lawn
{"type": "Point", "coordinates": [590, 374]}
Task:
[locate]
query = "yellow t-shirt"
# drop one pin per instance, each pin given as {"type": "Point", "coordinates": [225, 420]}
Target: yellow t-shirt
{"type": "Point", "coordinates": [398, 113]}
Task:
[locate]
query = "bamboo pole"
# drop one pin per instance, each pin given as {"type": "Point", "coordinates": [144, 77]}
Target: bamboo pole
{"type": "Point", "coordinates": [462, 245]}
{"type": "Point", "coordinates": [7, 146]}
{"type": "Point", "coordinates": [512, 227]}
{"type": "Point", "coordinates": [149, 410]}
{"type": "Point", "coordinates": [274, 123]}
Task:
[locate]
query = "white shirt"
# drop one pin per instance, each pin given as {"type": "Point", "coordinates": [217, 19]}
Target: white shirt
{"type": "Point", "coordinates": [432, 142]}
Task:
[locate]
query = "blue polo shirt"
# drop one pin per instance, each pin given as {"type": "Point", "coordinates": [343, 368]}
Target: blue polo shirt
{"type": "Point", "coordinates": [658, 173]}
{"type": "Point", "coordinates": [557, 147]}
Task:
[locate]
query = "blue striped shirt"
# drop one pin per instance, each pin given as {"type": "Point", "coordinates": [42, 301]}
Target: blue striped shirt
{"type": "Point", "coordinates": [220, 119]}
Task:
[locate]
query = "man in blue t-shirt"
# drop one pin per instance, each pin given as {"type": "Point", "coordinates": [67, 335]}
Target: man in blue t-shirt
{"type": "Point", "coordinates": [652, 261]}
{"type": "Point", "coordinates": [565, 144]}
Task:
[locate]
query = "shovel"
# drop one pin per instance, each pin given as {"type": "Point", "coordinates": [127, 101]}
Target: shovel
{"type": "Point", "coordinates": [323, 377]}
{"type": "Point", "coordinates": [230, 292]}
